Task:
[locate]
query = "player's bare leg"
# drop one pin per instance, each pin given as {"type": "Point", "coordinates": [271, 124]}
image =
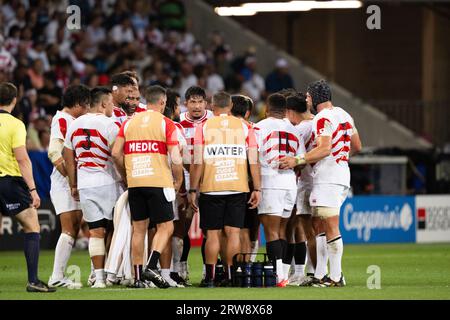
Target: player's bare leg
{"type": "Point", "coordinates": [212, 248]}
{"type": "Point", "coordinates": [70, 227]}
{"type": "Point", "coordinates": [246, 244]}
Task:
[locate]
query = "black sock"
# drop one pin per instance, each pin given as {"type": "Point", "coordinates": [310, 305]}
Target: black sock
{"type": "Point", "coordinates": [274, 250]}
{"type": "Point", "coordinates": [300, 253]}
{"type": "Point", "coordinates": [153, 261]}
{"type": "Point", "coordinates": [137, 271]}
{"type": "Point", "coordinates": [186, 248]}
{"type": "Point", "coordinates": [31, 250]}
{"type": "Point", "coordinates": [203, 250]}
{"type": "Point", "coordinates": [210, 268]}
{"type": "Point", "coordinates": [284, 245]}
{"type": "Point", "coordinates": [289, 254]}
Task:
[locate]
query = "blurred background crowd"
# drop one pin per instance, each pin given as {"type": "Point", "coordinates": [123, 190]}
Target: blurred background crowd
{"type": "Point", "coordinates": [42, 56]}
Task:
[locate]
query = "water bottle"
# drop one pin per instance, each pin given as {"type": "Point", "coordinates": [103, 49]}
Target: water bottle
{"type": "Point", "coordinates": [237, 279]}
{"type": "Point", "coordinates": [269, 275]}
{"type": "Point", "coordinates": [257, 274]}
{"type": "Point", "coordinates": [247, 283]}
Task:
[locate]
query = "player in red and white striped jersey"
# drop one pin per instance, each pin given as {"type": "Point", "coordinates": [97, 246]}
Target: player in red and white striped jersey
{"type": "Point", "coordinates": [76, 101]}
{"type": "Point", "coordinates": [299, 114]}
{"type": "Point", "coordinates": [277, 138]}
{"type": "Point", "coordinates": [196, 114]}
{"type": "Point", "coordinates": [92, 174]}
{"type": "Point", "coordinates": [336, 138]}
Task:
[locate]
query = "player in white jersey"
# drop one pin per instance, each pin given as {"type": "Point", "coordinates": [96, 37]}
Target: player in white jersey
{"type": "Point", "coordinates": [196, 114]}
{"type": "Point", "coordinates": [76, 100]}
{"type": "Point", "coordinates": [92, 175]}
{"type": "Point", "coordinates": [277, 138]}
{"type": "Point", "coordinates": [336, 138]}
{"type": "Point", "coordinates": [298, 113]}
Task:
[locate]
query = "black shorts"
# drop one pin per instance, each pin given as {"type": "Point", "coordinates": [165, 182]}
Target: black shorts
{"type": "Point", "coordinates": [149, 203]}
{"type": "Point", "coordinates": [217, 211]}
{"type": "Point", "coordinates": [251, 220]}
{"type": "Point", "coordinates": [14, 195]}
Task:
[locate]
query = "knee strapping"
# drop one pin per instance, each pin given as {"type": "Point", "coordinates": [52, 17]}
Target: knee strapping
{"type": "Point", "coordinates": [97, 247]}
{"type": "Point", "coordinates": [326, 212]}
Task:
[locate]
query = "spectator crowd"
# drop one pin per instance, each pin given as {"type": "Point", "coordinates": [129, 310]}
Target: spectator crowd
{"type": "Point", "coordinates": [41, 55]}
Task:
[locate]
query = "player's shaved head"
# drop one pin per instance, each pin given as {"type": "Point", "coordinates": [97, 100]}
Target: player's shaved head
{"type": "Point", "coordinates": [221, 100]}
{"type": "Point", "coordinates": [297, 103]}
{"type": "Point", "coordinates": [276, 105]}
{"type": "Point", "coordinates": [240, 106]}
{"type": "Point", "coordinates": [97, 95]}
{"type": "Point", "coordinates": [153, 94]}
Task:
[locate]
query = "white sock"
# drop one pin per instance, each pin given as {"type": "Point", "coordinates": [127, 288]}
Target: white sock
{"type": "Point", "coordinates": [255, 248]}
{"type": "Point", "coordinates": [309, 267]}
{"type": "Point", "coordinates": [335, 250]}
{"type": "Point", "coordinates": [165, 273]}
{"type": "Point", "coordinates": [299, 269]}
{"type": "Point", "coordinates": [204, 272]}
{"type": "Point", "coordinates": [99, 275]}
{"type": "Point", "coordinates": [111, 277]}
{"type": "Point", "coordinates": [322, 256]}
{"type": "Point", "coordinates": [286, 268]}
{"type": "Point", "coordinates": [62, 254]}
{"type": "Point", "coordinates": [92, 267]}
{"type": "Point", "coordinates": [177, 251]}
{"type": "Point", "coordinates": [280, 271]}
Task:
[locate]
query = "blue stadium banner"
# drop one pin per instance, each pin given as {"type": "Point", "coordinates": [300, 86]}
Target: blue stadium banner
{"type": "Point", "coordinates": [378, 219]}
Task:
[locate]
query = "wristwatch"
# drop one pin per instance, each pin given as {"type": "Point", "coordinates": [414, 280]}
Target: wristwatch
{"type": "Point", "coordinates": [192, 191]}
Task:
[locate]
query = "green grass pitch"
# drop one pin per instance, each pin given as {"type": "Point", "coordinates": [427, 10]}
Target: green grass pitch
{"type": "Point", "coordinates": [408, 271]}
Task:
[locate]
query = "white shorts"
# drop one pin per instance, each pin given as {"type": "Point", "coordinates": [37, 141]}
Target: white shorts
{"type": "Point", "coordinates": [277, 202]}
{"type": "Point", "coordinates": [98, 203]}
{"type": "Point", "coordinates": [63, 201]}
{"type": "Point", "coordinates": [303, 206]}
{"type": "Point", "coordinates": [328, 195]}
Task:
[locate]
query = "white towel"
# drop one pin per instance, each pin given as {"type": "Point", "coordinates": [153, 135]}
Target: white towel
{"type": "Point", "coordinates": [119, 260]}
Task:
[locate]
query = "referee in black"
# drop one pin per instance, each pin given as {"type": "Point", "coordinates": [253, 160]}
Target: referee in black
{"type": "Point", "coordinates": [18, 196]}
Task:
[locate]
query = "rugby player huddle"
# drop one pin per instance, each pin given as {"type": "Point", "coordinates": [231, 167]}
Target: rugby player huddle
{"type": "Point", "coordinates": [138, 173]}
